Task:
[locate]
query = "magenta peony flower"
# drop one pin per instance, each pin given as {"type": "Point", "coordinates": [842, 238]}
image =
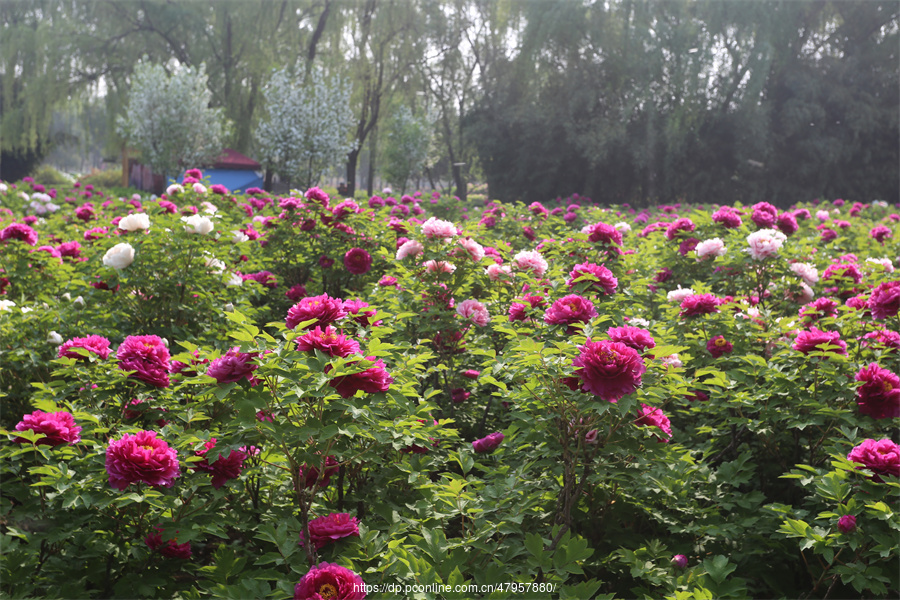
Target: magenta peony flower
{"type": "Point", "coordinates": [608, 369]}
{"type": "Point", "coordinates": [787, 224]}
{"type": "Point", "coordinates": [885, 300]}
{"type": "Point", "coordinates": [224, 467]}
{"type": "Point", "coordinates": [814, 340]}
{"type": "Point", "coordinates": [570, 309]}
{"type": "Point", "coordinates": [882, 457]}
{"type": "Point", "coordinates": [820, 308]}
{"type": "Point", "coordinates": [489, 443]}
{"type": "Point", "coordinates": [141, 458]}
{"type": "Point", "coordinates": [147, 356]}
{"type": "Point", "coordinates": [330, 582]}
{"type": "Point", "coordinates": [355, 311]}
{"type": "Point", "coordinates": [324, 530]}
{"type": "Point", "coordinates": [357, 261]}
{"type": "Point", "coordinates": [218, 188]}
{"type": "Point", "coordinates": [764, 214]}
{"type": "Point", "coordinates": [678, 227]}
{"type": "Point", "coordinates": [57, 428]}
{"type": "Point", "coordinates": [168, 548]}
{"type": "Point", "coordinates": [296, 292]}
{"type": "Point", "coordinates": [317, 195]}
{"type": "Point", "coordinates": [19, 231]}
{"type": "Point", "coordinates": [881, 233]}
{"type": "Point", "coordinates": [883, 338]}
{"type": "Point", "coordinates": [94, 344]}
{"type": "Point", "coordinates": [594, 276]}
{"type": "Point", "coordinates": [263, 278]}
{"type": "Point", "coordinates": [371, 380]}
{"type": "Point", "coordinates": [699, 304]}
{"type": "Point", "coordinates": [719, 346]}
{"type": "Point", "coordinates": [518, 311]}
{"type": "Point", "coordinates": [654, 417]}
{"type": "Point", "coordinates": [459, 395]}
{"type": "Point", "coordinates": [322, 309]}
{"type": "Point", "coordinates": [233, 366]}
{"type": "Point", "coordinates": [843, 271]}
{"type": "Point", "coordinates": [727, 217]}
{"type": "Point", "coordinates": [329, 341]}
{"type": "Point", "coordinates": [309, 476]}
{"type": "Point", "coordinates": [471, 373]}
{"type": "Point", "coordinates": [679, 561]}
{"type": "Point", "coordinates": [846, 524]}
{"type": "Point", "coordinates": [603, 233]}
{"type": "Point", "coordinates": [879, 395]}
{"type": "Point", "coordinates": [633, 337]}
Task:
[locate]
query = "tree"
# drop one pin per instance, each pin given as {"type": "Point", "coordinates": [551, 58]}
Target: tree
{"type": "Point", "coordinates": [406, 149]}
{"type": "Point", "coordinates": [307, 126]}
{"type": "Point", "coordinates": [168, 119]}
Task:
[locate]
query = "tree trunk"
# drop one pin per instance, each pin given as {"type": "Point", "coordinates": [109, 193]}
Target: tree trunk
{"type": "Point", "coordinates": [352, 159]}
{"type": "Point", "coordinates": [373, 152]}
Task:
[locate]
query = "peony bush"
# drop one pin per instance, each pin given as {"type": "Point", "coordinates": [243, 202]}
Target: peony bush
{"type": "Point", "coordinates": [227, 395]}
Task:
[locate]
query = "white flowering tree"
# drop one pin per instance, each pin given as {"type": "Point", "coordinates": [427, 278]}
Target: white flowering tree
{"type": "Point", "coordinates": [307, 127]}
{"type": "Point", "coordinates": [406, 150]}
{"type": "Point", "coordinates": [168, 119]}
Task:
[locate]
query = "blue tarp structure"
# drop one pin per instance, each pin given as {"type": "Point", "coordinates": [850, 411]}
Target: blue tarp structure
{"type": "Point", "coordinates": [234, 180]}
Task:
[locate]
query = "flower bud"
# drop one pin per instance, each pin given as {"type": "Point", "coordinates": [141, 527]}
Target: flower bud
{"type": "Point", "coordinates": [846, 524]}
{"type": "Point", "coordinates": [679, 561]}
{"type": "Point", "coordinates": [54, 338]}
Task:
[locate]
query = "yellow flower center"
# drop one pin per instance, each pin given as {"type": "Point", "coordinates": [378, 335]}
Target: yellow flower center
{"type": "Point", "coordinates": [721, 342]}
{"type": "Point", "coordinates": [887, 386]}
{"type": "Point", "coordinates": [150, 448]}
{"type": "Point", "coordinates": [327, 591]}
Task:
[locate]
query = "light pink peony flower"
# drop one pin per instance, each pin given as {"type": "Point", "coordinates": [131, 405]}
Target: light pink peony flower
{"type": "Point", "coordinates": [473, 248]}
{"type": "Point", "coordinates": [435, 228]}
{"type": "Point", "coordinates": [710, 248]}
{"type": "Point", "coordinates": [330, 582]}
{"type": "Point", "coordinates": [57, 428]}
{"type": "Point", "coordinates": [439, 266]}
{"type": "Point", "coordinates": [474, 311]}
{"type": "Point", "coordinates": [497, 272]}
{"type": "Point", "coordinates": [531, 260]}
{"type": "Point", "coordinates": [141, 458]}
{"type": "Point", "coordinates": [410, 248]}
{"type": "Point", "coordinates": [806, 272]}
{"type": "Point", "coordinates": [765, 243]}
{"type": "Point", "coordinates": [678, 295]}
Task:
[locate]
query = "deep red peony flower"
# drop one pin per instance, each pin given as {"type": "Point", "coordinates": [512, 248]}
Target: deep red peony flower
{"type": "Point", "coordinates": [57, 428]}
{"type": "Point", "coordinates": [168, 548]}
{"type": "Point", "coordinates": [322, 309]}
{"type": "Point", "coordinates": [879, 395]}
{"type": "Point", "coordinates": [608, 369]}
{"type": "Point", "coordinates": [224, 467]}
{"type": "Point", "coordinates": [371, 380]}
{"type": "Point", "coordinates": [95, 344]}
{"type": "Point", "coordinates": [147, 356]}
{"type": "Point", "coordinates": [719, 346]}
{"type": "Point", "coordinates": [330, 582]}
{"type": "Point", "coordinates": [324, 530]}
{"type": "Point", "coordinates": [141, 458]}
{"type": "Point", "coordinates": [309, 475]}
{"type": "Point", "coordinates": [357, 261]}
{"type": "Point", "coordinates": [882, 457]}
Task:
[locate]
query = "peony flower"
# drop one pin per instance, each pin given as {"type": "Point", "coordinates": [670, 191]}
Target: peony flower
{"type": "Point", "coordinates": [147, 356]}
{"type": "Point", "coordinates": [57, 428]}
{"type": "Point", "coordinates": [439, 266]}
{"type": "Point", "coordinates": [531, 260]}
{"type": "Point", "coordinates": [764, 214]}
{"type": "Point", "coordinates": [324, 530]}
{"type": "Point", "coordinates": [787, 224]}
{"type": "Point", "coordinates": [679, 294]}
{"type": "Point", "coordinates": [474, 311]}
{"type": "Point", "coordinates": [679, 561]}
{"type": "Point", "coordinates": [328, 341]}
{"type": "Point", "coordinates": [719, 346]}
{"type": "Point", "coordinates": [765, 243]}
{"type": "Point", "coordinates": [471, 374]}
{"type": "Point", "coordinates": [608, 369]}
{"type": "Point", "coordinates": [819, 309]}
{"type": "Point", "coordinates": [710, 248]}
{"type": "Point", "coordinates": [473, 248]}
{"type": "Point", "coordinates": [321, 309]}
{"type": "Point", "coordinates": [168, 548]}
{"type": "Point", "coordinates": [814, 340]}
{"type": "Point", "coordinates": [94, 344]}
{"type": "Point", "coordinates": [330, 582]}
{"type": "Point", "coordinates": [309, 475]}
{"type": "Point", "coordinates": [135, 222]}
{"type": "Point", "coordinates": [603, 233]}
{"type": "Point", "coordinates": [883, 338]}
{"type": "Point", "coordinates": [357, 261]}
{"type": "Point", "coordinates": [569, 310]}
{"type": "Point", "coordinates": [141, 458]}
{"type": "Point", "coordinates": [879, 395]}
{"type": "Point", "coordinates": [317, 195]}
{"type": "Point", "coordinates": [595, 277]}
{"type": "Point", "coordinates": [371, 380]}
{"type": "Point", "coordinates": [196, 224]}
{"type": "Point", "coordinates": [497, 272]}
{"type": "Point", "coordinates": [843, 271]}
{"type": "Point", "coordinates": [263, 278]}
{"type": "Point", "coordinates": [885, 263]}
{"type": "Point", "coordinates": [806, 272]}
{"type": "Point", "coordinates": [175, 188]}
{"type": "Point", "coordinates": [355, 311]}
{"type": "Point", "coordinates": [435, 228]}
{"type": "Point", "coordinates": [727, 217]}
{"type": "Point", "coordinates": [882, 457]}
{"type": "Point", "coordinates": [19, 231]}
{"type": "Point", "coordinates": [233, 366]}
{"type": "Point", "coordinates": [224, 467]}
{"type": "Point", "coordinates": [119, 256]}
{"type": "Point", "coordinates": [846, 524]}
{"type": "Point", "coordinates": [699, 304]}
{"type": "Point", "coordinates": [410, 248]}
{"type": "Point", "coordinates": [678, 227]}
{"type": "Point", "coordinates": [518, 311]}
{"type": "Point", "coordinates": [489, 443]}
{"type": "Point", "coordinates": [654, 417]}
{"type": "Point", "coordinates": [633, 337]}
{"type": "Point", "coordinates": [885, 300]}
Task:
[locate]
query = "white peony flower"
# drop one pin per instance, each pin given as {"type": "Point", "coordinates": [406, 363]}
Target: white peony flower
{"type": "Point", "coordinates": [6, 305]}
{"type": "Point", "coordinates": [209, 208]}
{"type": "Point", "coordinates": [54, 338]}
{"type": "Point", "coordinates": [238, 236]}
{"type": "Point", "coordinates": [198, 224]}
{"type": "Point", "coordinates": [679, 294]}
{"type": "Point", "coordinates": [175, 188]}
{"type": "Point", "coordinates": [622, 227]}
{"type": "Point", "coordinates": [135, 222]}
{"type": "Point", "coordinates": [119, 256]}
{"type": "Point", "coordinates": [199, 188]}
{"type": "Point", "coordinates": [234, 280]}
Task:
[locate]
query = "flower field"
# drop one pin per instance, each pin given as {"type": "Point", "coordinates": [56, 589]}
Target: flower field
{"type": "Point", "coordinates": [248, 396]}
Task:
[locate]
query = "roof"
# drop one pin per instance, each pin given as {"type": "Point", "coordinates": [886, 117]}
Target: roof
{"type": "Point", "coordinates": [232, 159]}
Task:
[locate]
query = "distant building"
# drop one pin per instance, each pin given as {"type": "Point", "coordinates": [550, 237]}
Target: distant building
{"type": "Point", "coordinates": [232, 169]}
